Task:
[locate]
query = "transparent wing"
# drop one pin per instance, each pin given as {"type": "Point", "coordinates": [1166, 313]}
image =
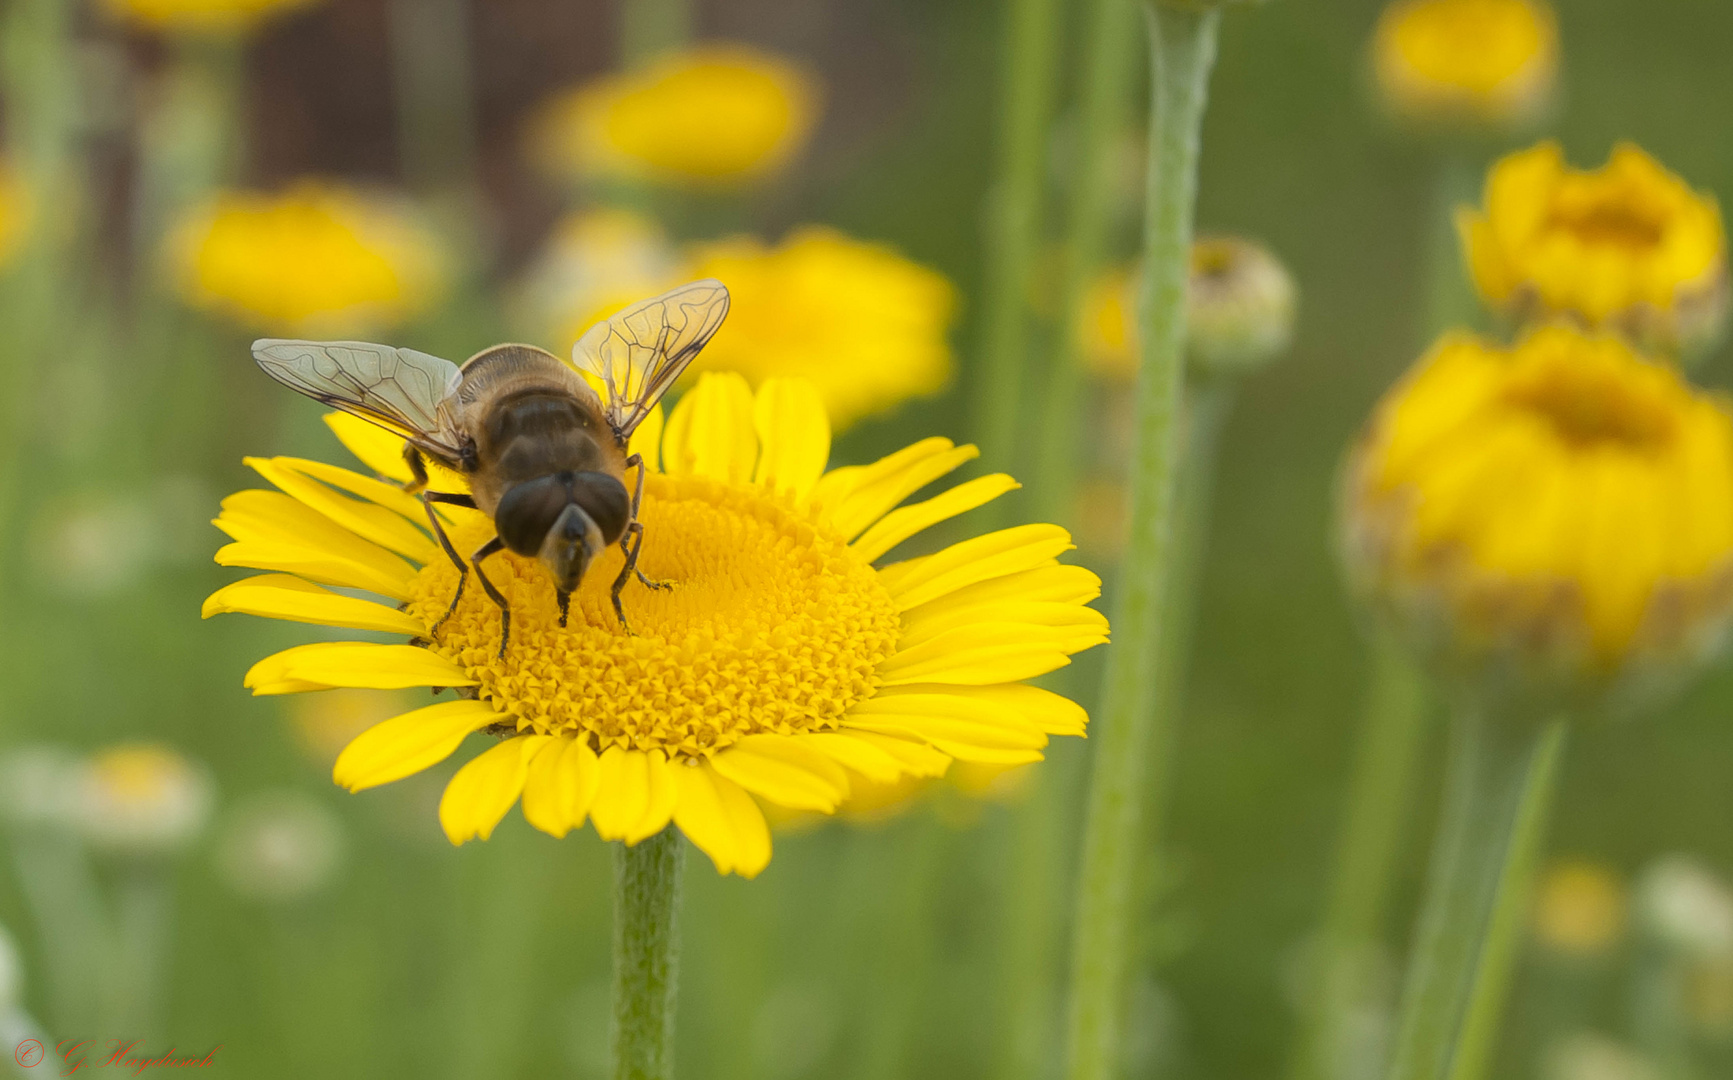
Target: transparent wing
{"type": "Point", "coordinates": [401, 390]}
{"type": "Point", "coordinates": [639, 353]}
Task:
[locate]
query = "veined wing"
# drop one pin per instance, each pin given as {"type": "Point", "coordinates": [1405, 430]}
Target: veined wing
{"type": "Point", "coordinates": [404, 391]}
{"type": "Point", "coordinates": [639, 353]}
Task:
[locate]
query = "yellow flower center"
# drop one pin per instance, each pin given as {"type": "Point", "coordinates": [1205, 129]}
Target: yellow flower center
{"type": "Point", "coordinates": [769, 624]}
{"type": "Point", "coordinates": [1611, 224]}
{"type": "Point", "coordinates": [1590, 405]}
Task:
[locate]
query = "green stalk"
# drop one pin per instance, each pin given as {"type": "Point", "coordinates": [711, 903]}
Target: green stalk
{"type": "Point", "coordinates": [1499, 788]}
{"type": "Point", "coordinates": [1449, 299]}
{"type": "Point", "coordinates": [430, 65]}
{"type": "Point", "coordinates": [1027, 80]}
{"type": "Point", "coordinates": [646, 955]}
{"type": "Point", "coordinates": [1102, 111]}
{"type": "Point", "coordinates": [1393, 731]}
{"type": "Point", "coordinates": [193, 141]}
{"type": "Point", "coordinates": [1184, 45]}
{"type": "Point", "coordinates": [648, 27]}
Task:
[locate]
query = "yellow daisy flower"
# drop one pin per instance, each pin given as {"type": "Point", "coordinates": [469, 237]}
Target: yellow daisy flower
{"type": "Point", "coordinates": [865, 325]}
{"type": "Point", "coordinates": [596, 263]}
{"type": "Point", "coordinates": [15, 208]}
{"type": "Point", "coordinates": [783, 665]}
{"type": "Point", "coordinates": [1628, 247]}
{"type": "Point", "coordinates": [318, 260]}
{"type": "Point", "coordinates": [203, 16]}
{"type": "Point", "coordinates": [712, 115]}
{"type": "Point", "coordinates": [1466, 63]}
{"type": "Point", "coordinates": [1560, 512]}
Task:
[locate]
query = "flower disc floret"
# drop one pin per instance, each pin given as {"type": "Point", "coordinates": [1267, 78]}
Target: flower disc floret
{"type": "Point", "coordinates": [1559, 514]}
{"type": "Point", "coordinates": [1627, 247]}
{"type": "Point", "coordinates": [778, 665]}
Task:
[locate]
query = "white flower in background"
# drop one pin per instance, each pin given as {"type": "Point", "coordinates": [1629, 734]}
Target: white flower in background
{"type": "Point", "coordinates": [279, 846]}
{"type": "Point", "coordinates": [142, 799]}
{"type": "Point", "coordinates": [1687, 907]}
{"type": "Point", "coordinates": [36, 785]}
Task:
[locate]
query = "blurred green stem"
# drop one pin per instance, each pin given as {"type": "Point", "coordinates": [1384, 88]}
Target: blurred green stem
{"type": "Point", "coordinates": [435, 104]}
{"type": "Point", "coordinates": [1013, 227]}
{"type": "Point", "coordinates": [192, 141]}
{"type": "Point", "coordinates": [60, 887]}
{"type": "Point", "coordinates": [144, 908]}
{"type": "Point", "coordinates": [1498, 790]}
{"type": "Point", "coordinates": [646, 955]}
{"type": "Point", "coordinates": [1392, 733]}
{"type": "Point", "coordinates": [902, 948]}
{"type": "Point", "coordinates": [1109, 64]}
{"type": "Point", "coordinates": [1184, 45]}
{"type": "Point", "coordinates": [648, 27]}
{"type": "Point", "coordinates": [1449, 295]}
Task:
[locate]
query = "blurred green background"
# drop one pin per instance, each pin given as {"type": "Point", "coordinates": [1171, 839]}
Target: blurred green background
{"type": "Point", "coordinates": [862, 951]}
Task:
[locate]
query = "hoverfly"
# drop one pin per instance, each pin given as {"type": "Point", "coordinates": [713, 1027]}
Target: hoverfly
{"type": "Point", "coordinates": [545, 456]}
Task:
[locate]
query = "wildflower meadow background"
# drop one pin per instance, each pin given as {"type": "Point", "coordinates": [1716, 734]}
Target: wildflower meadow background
{"type": "Point", "coordinates": [177, 866]}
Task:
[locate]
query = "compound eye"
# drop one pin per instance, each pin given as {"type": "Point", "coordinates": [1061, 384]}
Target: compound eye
{"type": "Point", "coordinates": [527, 511]}
{"type": "Point", "coordinates": [604, 499]}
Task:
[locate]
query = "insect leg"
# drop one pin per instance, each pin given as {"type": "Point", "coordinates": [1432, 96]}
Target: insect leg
{"type": "Point", "coordinates": [417, 469]}
{"type": "Point", "coordinates": [428, 498]}
{"type": "Point", "coordinates": [635, 534]}
{"type": "Point", "coordinates": [494, 547]}
{"type": "Point", "coordinates": [564, 599]}
{"type": "Point", "coordinates": [637, 498]}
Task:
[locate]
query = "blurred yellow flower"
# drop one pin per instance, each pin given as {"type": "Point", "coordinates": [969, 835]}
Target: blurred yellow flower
{"type": "Point", "coordinates": [1580, 908]}
{"type": "Point", "coordinates": [1466, 63]}
{"type": "Point", "coordinates": [1240, 306]}
{"type": "Point", "coordinates": [1560, 512]}
{"type": "Point", "coordinates": [1628, 247]}
{"type": "Point", "coordinates": [142, 799]}
{"type": "Point", "coordinates": [203, 16]}
{"type": "Point", "coordinates": [319, 260]}
{"type": "Point", "coordinates": [596, 263]}
{"type": "Point", "coordinates": [711, 115]}
{"type": "Point", "coordinates": [867, 326]}
{"type": "Point", "coordinates": [14, 212]}
{"type": "Point", "coordinates": [782, 666]}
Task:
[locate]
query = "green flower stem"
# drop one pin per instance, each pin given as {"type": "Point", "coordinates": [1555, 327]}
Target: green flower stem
{"type": "Point", "coordinates": [648, 27]}
{"type": "Point", "coordinates": [192, 141]}
{"type": "Point", "coordinates": [1027, 79]}
{"type": "Point", "coordinates": [1105, 104]}
{"type": "Point", "coordinates": [1498, 791]}
{"type": "Point", "coordinates": [144, 906]}
{"type": "Point", "coordinates": [1128, 727]}
{"type": "Point", "coordinates": [60, 887]}
{"type": "Point", "coordinates": [1449, 299]}
{"type": "Point", "coordinates": [430, 65]}
{"type": "Point", "coordinates": [646, 955]}
{"type": "Point", "coordinates": [1397, 710]}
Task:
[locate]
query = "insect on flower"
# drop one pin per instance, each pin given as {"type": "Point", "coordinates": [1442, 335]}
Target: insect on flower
{"type": "Point", "coordinates": [545, 456]}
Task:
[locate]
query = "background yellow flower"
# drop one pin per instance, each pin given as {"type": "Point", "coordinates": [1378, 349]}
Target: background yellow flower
{"type": "Point", "coordinates": [596, 263]}
{"type": "Point", "coordinates": [711, 115]}
{"type": "Point", "coordinates": [867, 326]}
{"type": "Point", "coordinates": [1466, 63]}
{"type": "Point", "coordinates": [318, 260]}
{"type": "Point", "coordinates": [1628, 246]}
{"type": "Point", "coordinates": [203, 16]}
{"type": "Point", "coordinates": [1560, 511]}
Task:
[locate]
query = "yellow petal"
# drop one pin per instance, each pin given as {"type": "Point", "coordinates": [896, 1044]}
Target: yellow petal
{"type": "Point", "coordinates": [622, 793]}
{"type": "Point", "coordinates": [873, 762]}
{"type": "Point", "coordinates": [407, 744]}
{"type": "Point", "coordinates": [1055, 583]}
{"type": "Point", "coordinates": [870, 501]}
{"type": "Point", "coordinates": [358, 664]}
{"type": "Point", "coordinates": [664, 795]}
{"type": "Point", "coordinates": [375, 447]}
{"type": "Point", "coordinates": [900, 524]}
{"type": "Point", "coordinates": [982, 655]}
{"type": "Point", "coordinates": [1085, 623]}
{"type": "Point", "coordinates": [711, 432]}
{"type": "Point", "coordinates": [284, 529]}
{"type": "Point", "coordinates": [793, 436]}
{"type": "Point", "coordinates": [785, 771]}
{"type": "Point", "coordinates": [387, 528]}
{"type": "Point", "coordinates": [917, 758]}
{"type": "Point", "coordinates": [721, 819]}
{"type": "Point", "coordinates": [283, 596]}
{"type": "Point", "coordinates": [560, 786]}
{"type": "Point", "coordinates": [390, 496]}
{"type": "Point", "coordinates": [646, 442]}
{"type": "Point", "coordinates": [1041, 709]}
{"type": "Point", "coordinates": [954, 718]}
{"type": "Point", "coordinates": [838, 484]}
{"type": "Point", "coordinates": [483, 790]}
{"type": "Point", "coordinates": [979, 559]}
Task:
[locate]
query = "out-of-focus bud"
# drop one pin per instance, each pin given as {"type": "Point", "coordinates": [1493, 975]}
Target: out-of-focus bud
{"type": "Point", "coordinates": [1553, 520]}
{"type": "Point", "coordinates": [318, 260]}
{"type": "Point", "coordinates": [1580, 908]}
{"type": "Point", "coordinates": [38, 786]}
{"type": "Point", "coordinates": [1466, 65]}
{"type": "Point", "coordinates": [597, 262]}
{"type": "Point", "coordinates": [279, 846]}
{"type": "Point", "coordinates": [1628, 247]}
{"type": "Point", "coordinates": [1240, 306]}
{"type": "Point", "coordinates": [714, 115]}
{"type": "Point", "coordinates": [1589, 1056]}
{"type": "Point", "coordinates": [142, 799]}
{"type": "Point", "coordinates": [1687, 907]}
